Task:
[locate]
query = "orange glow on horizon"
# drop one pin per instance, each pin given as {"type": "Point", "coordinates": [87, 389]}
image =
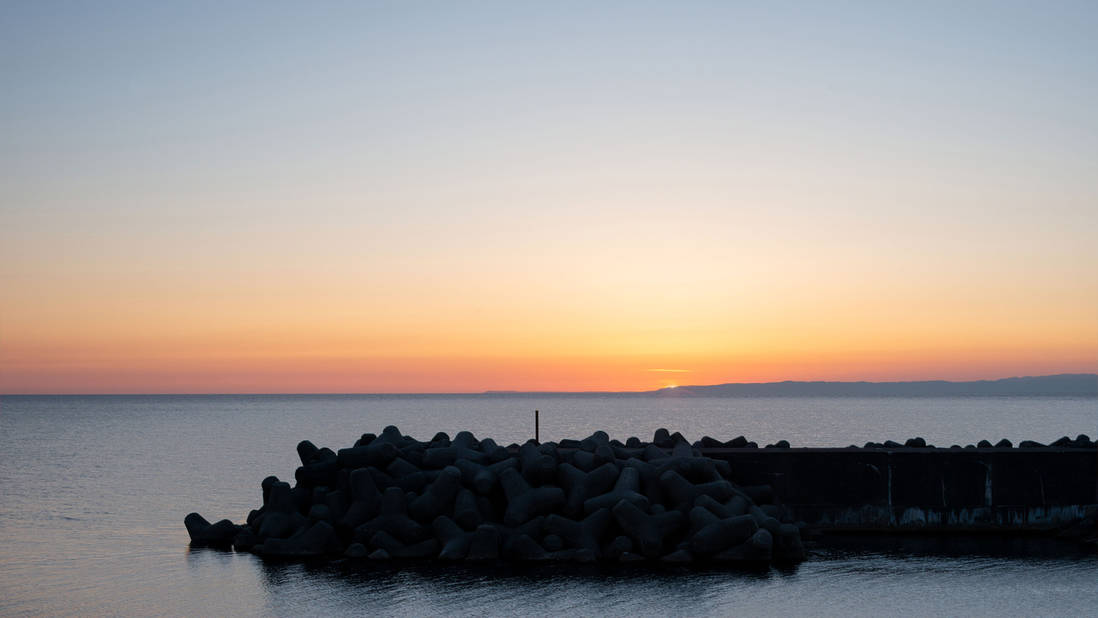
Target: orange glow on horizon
{"type": "Point", "coordinates": [625, 201]}
{"type": "Point", "coordinates": [131, 372]}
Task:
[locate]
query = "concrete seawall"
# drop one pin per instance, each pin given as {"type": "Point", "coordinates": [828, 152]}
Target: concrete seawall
{"type": "Point", "coordinates": [924, 489]}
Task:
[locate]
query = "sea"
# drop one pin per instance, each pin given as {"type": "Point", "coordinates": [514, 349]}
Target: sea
{"type": "Point", "coordinates": [94, 489]}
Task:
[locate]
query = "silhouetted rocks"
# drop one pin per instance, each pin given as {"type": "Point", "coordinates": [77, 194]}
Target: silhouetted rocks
{"type": "Point", "coordinates": [757, 549]}
{"type": "Point", "coordinates": [483, 479]}
{"type": "Point", "coordinates": [455, 542]}
{"type": "Point", "coordinates": [396, 549]}
{"type": "Point", "coordinates": [203, 532]}
{"type": "Point", "coordinates": [316, 538]}
{"type": "Point", "coordinates": [392, 519]}
{"type": "Point", "coordinates": [627, 488]}
{"type": "Point", "coordinates": [438, 499]}
{"type": "Point", "coordinates": [534, 529]}
{"type": "Point", "coordinates": [582, 486]}
{"type": "Point", "coordinates": [525, 502]}
{"type": "Point", "coordinates": [485, 544]}
{"type": "Point", "coordinates": [282, 517]}
{"type": "Point", "coordinates": [392, 497]}
{"type": "Point", "coordinates": [648, 532]}
{"type": "Point", "coordinates": [715, 535]}
{"type": "Point", "coordinates": [356, 550]}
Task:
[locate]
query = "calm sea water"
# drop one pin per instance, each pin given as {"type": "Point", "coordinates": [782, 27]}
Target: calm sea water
{"type": "Point", "coordinates": [93, 491]}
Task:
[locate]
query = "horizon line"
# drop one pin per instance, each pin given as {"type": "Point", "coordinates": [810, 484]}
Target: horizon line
{"type": "Point", "coordinates": [546, 392]}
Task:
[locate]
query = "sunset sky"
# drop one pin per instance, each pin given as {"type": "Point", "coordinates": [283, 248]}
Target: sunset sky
{"type": "Point", "coordinates": [459, 197]}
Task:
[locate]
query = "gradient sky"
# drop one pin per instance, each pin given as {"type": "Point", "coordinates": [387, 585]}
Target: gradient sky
{"type": "Point", "coordinates": [456, 197]}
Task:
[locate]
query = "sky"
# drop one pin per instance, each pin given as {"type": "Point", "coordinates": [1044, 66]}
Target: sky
{"type": "Point", "coordinates": [458, 197]}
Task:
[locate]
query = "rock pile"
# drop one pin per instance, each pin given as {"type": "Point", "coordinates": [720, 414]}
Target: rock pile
{"type": "Point", "coordinates": [392, 496]}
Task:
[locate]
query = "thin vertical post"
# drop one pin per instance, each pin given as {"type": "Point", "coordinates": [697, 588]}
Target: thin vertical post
{"type": "Point", "coordinates": [537, 435]}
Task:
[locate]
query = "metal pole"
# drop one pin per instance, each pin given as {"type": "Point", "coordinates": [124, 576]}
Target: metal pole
{"type": "Point", "coordinates": [537, 435]}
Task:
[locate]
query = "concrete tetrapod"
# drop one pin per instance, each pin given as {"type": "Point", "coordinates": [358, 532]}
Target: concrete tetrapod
{"type": "Point", "coordinates": [771, 525]}
{"type": "Point", "coordinates": [393, 519]}
{"type": "Point", "coordinates": [678, 556]}
{"type": "Point", "coordinates": [392, 435]}
{"type": "Point", "coordinates": [455, 542]}
{"type": "Point", "coordinates": [255, 517]}
{"type": "Point", "coordinates": [315, 538]}
{"type": "Point", "coordinates": [537, 468]}
{"type": "Point", "coordinates": [737, 505]}
{"type": "Point", "coordinates": [396, 549]}
{"type": "Point", "coordinates": [694, 469]}
{"type": "Point", "coordinates": [407, 476]}
{"type": "Point", "coordinates": [653, 453]}
{"type": "Point", "coordinates": [771, 510]}
{"type": "Point", "coordinates": [720, 534]}
{"type": "Point", "coordinates": [595, 440]}
{"type": "Point", "coordinates": [414, 482]}
{"type": "Point", "coordinates": [356, 551]}
{"type": "Point", "coordinates": [789, 548]}
{"type": "Point", "coordinates": [626, 488]}
{"type": "Point", "coordinates": [617, 547]}
{"type": "Point", "coordinates": [246, 539]}
{"type": "Point", "coordinates": [758, 549]}
{"type": "Point", "coordinates": [683, 493]}
{"type": "Point", "coordinates": [647, 531]}
{"type": "Point", "coordinates": [550, 449]}
{"type": "Point", "coordinates": [447, 456]}
{"type": "Point", "coordinates": [337, 501]}
{"type": "Point", "coordinates": [587, 462]}
{"type": "Point", "coordinates": [485, 545]}
{"type": "Point", "coordinates": [533, 529]}
{"type": "Point", "coordinates": [374, 454]}
{"type": "Point", "coordinates": [714, 507]}
{"type": "Point", "coordinates": [552, 543]}
{"type": "Point", "coordinates": [582, 486]}
{"type": "Point", "coordinates": [203, 532]}
{"type": "Point", "coordinates": [282, 517]}
{"type": "Point", "coordinates": [365, 501]}
{"type": "Point", "coordinates": [649, 480]}
{"type": "Point", "coordinates": [321, 468]}
{"type": "Point", "coordinates": [467, 513]}
{"type": "Point", "coordinates": [586, 534]}
{"type": "Point", "coordinates": [438, 498]}
{"type": "Point", "coordinates": [759, 514]}
{"type": "Point", "coordinates": [493, 451]}
{"type": "Point", "coordinates": [462, 447]}
{"type": "Point", "coordinates": [525, 548]}
{"type": "Point", "coordinates": [524, 502]}
{"type": "Point", "coordinates": [483, 479]}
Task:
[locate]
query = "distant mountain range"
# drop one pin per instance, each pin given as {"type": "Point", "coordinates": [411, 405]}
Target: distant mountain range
{"type": "Point", "coordinates": [1067, 384]}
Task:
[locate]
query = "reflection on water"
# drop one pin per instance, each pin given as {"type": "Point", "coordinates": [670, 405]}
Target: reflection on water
{"type": "Point", "coordinates": [848, 575]}
{"type": "Point", "coordinates": [425, 588]}
{"type": "Point", "coordinates": [1007, 549]}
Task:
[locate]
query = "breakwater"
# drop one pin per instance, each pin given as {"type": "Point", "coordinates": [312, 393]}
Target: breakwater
{"type": "Point", "coordinates": [911, 489]}
{"type": "Point", "coordinates": [392, 496]}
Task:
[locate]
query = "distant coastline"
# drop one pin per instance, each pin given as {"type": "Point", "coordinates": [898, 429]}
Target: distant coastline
{"type": "Point", "coordinates": [1067, 384]}
{"type": "Point", "coordinates": [1062, 385]}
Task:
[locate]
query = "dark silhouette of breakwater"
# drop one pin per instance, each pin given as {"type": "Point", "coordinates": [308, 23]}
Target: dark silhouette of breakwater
{"type": "Point", "coordinates": [392, 496]}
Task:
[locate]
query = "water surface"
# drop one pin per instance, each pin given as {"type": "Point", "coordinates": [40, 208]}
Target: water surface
{"type": "Point", "coordinates": [93, 491]}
